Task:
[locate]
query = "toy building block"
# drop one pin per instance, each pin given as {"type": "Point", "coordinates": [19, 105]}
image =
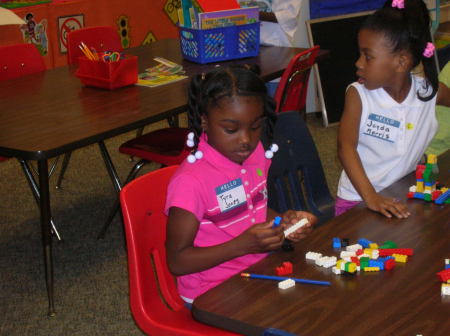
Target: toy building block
{"type": "Point", "coordinates": [371, 269]}
{"type": "Point", "coordinates": [364, 242]}
{"type": "Point", "coordinates": [444, 198]}
{"type": "Point", "coordinates": [295, 227]}
{"type": "Point", "coordinates": [336, 270]}
{"type": "Point", "coordinates": [329, 262]}
{"type": "Point", "coordinates": [347, 254]}
{"type": "Point", "coordinates": [344, 242]}
{"type": "Point", "coordinates": [336, 243]}
{"type": "Point", "coordinates": [285, 268]}
{"type": "Point", "coordinates": [285, 284]}
{"type": "Point", "coordinates": [373, 246]}
{"type": "Point", "coordinates": [444, 275]}
{"type": "Point", "coordinates": [389, 264]}
{"type": "Point", "coordinates": [276, 221]}
{"type": "Point", "coordinates": [359, 252]}
{"type": "Point", "coordinates": [445, 289]}
{"type": "Point", "coordinates": [353, 248]}
{"type": "Point", "coordinates": [350, 267]}
{"type": "Point", "coordinates": [388, 252]}
{"type": "Point", "coordinates": [372, 253]}
{"type": "Point", "coordinates": [388, 244]}
{"type": "Point", "coordinates": [447, 263]}
{"type": "Point", "coordinates": [312, 255]}
{"type": "Point", "coordinates": [400, 257]}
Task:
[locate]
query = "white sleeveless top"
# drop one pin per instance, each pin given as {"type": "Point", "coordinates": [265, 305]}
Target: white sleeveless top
{"type": "Point", "coordinates": [392, 136]}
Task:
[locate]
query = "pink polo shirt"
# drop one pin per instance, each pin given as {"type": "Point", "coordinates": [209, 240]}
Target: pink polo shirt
{"type": "Point", "coordinates": [226, 198]}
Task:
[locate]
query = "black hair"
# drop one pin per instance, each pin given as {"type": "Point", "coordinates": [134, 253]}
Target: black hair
{"type": "Point", "coordinates": [206, 90]}
{"type": "Point", "coordinates": [407, 29]}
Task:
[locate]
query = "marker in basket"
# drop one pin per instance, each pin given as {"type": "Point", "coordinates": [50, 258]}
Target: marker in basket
{"type": "Point", "coordinates": [279, 278]}
{"type": "Point", "coordinates": [87, 52]}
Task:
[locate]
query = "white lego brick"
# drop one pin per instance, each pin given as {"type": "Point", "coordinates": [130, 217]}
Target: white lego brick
{"type": "Point", "coordinates": [295, 227]}
{"type": "Point", "coordinates": [354, 247]}
{"type": "Point", "coordinates": [285, 284]}
{"type": "Point", "coordinates": [413, 188]}
{"type": "Point", "coordinates": [445, 289]}
{"type": "Point", "coordinates": [320, 261]}
{"type": "Point", "coordinates": [331, 261]}
{"type": "Point", "coordinates": [313, 255]}
{"type": "Point", "coordinates": [347, 254]}
{"type": "Point", "coordinates": [336, 270]}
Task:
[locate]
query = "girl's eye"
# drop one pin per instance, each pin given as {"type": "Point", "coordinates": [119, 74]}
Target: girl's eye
{"type": "Point", "coordinates": [256, 127]}
{"type": "Point", "coordinates": [230, 131]}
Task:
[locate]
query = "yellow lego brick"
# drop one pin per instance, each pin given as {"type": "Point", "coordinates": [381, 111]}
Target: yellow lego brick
{"type": "Point", "coordinates": [340, 263]}
{"type": "Point", "coordinates": [432, 158]}
{"type": "Point", "coordinates": [371, 269]}
{"type": "Point", "coordinates": [419, 187]}
{"type": "Point", "coordinates": [400, 257]}
{"type": "Point", "coordinates": [444, 189]}
{"type": "Point", "coordinates": [373, 245]}
{"type": "Point", "coordinates": [350, 267]}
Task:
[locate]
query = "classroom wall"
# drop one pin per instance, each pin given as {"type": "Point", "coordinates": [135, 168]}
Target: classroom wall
{"type": "Point", "coordinates": [137, 21]}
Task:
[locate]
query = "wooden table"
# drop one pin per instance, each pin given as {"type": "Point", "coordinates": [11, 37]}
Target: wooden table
{"type": "Point", "coordinates": [50, 113]}
{"type": "Point", "coordinates": [403, 301]}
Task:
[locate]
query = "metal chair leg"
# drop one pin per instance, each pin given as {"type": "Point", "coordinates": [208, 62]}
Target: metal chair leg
{"type": "Point", "coordinates": [116, 207]}
{"type": "Point", "coordinates": [35, 190]}
{"type": "Point", "coordinates": [64, 165]}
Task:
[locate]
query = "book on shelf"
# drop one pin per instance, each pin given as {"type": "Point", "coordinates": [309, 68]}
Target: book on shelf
{"type": "Point", "coordinates": [164, 72]}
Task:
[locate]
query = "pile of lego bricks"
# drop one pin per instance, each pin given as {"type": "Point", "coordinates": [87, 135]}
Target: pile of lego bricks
{"type": "Point", "coordinates": [364, 256]}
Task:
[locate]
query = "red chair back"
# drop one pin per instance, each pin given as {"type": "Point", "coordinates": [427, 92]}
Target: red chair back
{"type": "Point", "coordinates": [19, 60]}
{"type": "Point", "coordinates": [100, 38]}
{"type": "Point", "coordinates": [155, 303]}
{"type": "Point", "coordinates": [293, 86]}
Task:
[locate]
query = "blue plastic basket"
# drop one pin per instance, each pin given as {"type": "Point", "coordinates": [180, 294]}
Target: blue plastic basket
{"type": "Point", "coordinates": [220, 44]}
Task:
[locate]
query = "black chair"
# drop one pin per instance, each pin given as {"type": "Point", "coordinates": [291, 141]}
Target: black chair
{"type": "Point", "coordinates": [296, 179]}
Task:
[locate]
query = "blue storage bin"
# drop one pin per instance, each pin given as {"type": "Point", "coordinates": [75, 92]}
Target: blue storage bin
{"type": "Point", "coordinates": [219, 44]}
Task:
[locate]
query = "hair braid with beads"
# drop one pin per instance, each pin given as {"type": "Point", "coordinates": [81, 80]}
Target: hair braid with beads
{"type": "Point", "coordinates": [207, 89]}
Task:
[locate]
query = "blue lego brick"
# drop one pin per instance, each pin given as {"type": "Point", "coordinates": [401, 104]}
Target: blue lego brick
{"type": "Point", "coordinates": [336, 243]}
{"type": "Point", "coordinates": [364, 242]}
{"type": "Point", "coordinates": [418, 195]}
{"type": "Point", "coordinates": [444, 197]}
{"type": "Point", "coordinates": [376, 263]}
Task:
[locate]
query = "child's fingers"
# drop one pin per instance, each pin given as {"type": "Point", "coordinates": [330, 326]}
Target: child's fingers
{"type": "Point", "coordinates": [396, 208]}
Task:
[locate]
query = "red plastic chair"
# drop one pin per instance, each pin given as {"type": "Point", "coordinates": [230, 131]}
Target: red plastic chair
{"type": "Point", "coordinates": [19, 60]}
{"type": "Point", "coordinates": [293, 87]}
{"type": "Point", "coordinates": [155, 303]}
{"type": "Point", "coordinates": [100, 38]}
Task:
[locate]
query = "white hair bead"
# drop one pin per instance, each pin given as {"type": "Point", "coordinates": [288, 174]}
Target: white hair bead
{"type": "Point", "coordinates": [198, 155]}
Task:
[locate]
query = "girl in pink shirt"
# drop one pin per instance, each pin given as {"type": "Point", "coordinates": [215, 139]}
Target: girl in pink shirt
{"type": "Point", "coordinates": [219, 223]}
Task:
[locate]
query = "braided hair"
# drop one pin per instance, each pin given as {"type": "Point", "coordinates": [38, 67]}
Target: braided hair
{"type": "Point", "coordinates": [206, 90]}
{"type": "Point", "coordinates": [407, 29]}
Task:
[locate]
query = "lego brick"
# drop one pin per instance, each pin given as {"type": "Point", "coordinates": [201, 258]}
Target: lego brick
{"type": "Point", "coordinates": [387, 252]}
{"type": "Point", "coordinates": [388, 244]}
{"type": "Point", "coordinates": [353, 248]}
{"type": "Point", "coordinates": [295, 227]}
{"type": "Point", "coordinates": [389, 264]}
{"type": "Point", "coordinates": [371, 269]}
{"type": "Point", "coordinates": [336, 270]}
{"type": "Point", "coordinates": [285, 284]}
{"type": "Point", "coordinates": [336, 243]}
{"type": "Point", "coordinates": [312, 255]}
{"type": "Point", "coordinates": [373, 246]}
{"type": "Point", "coordinates": [444, 275]}
{"type": "Point", "coordinates": [285, 268]}
{"type": "Point", "coordinates": [445, 289]}
{"type": "Point", "coordinates": [400, 257]}
{"type": "Point", "coordinates": [364, 242]}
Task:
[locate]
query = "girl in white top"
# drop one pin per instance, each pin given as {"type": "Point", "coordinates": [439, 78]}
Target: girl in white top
{"type": "Point", "coordinates": [389, 114]}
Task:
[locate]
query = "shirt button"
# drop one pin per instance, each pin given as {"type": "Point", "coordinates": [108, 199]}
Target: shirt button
{"type": "Point", "coordinates": [253, 220]}
{"type": "Point", "coordinates": [243, 171]}
{"type": "Point", "coordinates": [250, 206]}
{"type": "Point", "coordinates": [246, 183]}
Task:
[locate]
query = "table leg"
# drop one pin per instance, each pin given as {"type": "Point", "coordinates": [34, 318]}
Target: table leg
{"type": "Point", "coordinates": [110, 167]}
{"type": "Point", "coordinates": [46, 232]}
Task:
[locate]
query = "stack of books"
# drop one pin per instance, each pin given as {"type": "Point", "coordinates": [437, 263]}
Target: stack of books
{"type": "Point", "coordinates": [164, 73]}
{"type": "Point", "coordinates": [207, 14]}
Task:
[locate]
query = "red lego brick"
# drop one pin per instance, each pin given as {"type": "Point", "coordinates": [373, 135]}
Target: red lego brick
{"type": "Point", "coordinates": [284, 269]}
{"type": "Point", "coordinates": [435, 194]}
{"type": "Point", "coordinates": [444, 275]}
{"type": "Point", "coordinates": [389, 264]}
{"type": "Point", "coordinates": [359, 252]}
{"type": "Point", "coordinates": [410, 195]}
{"type": "Point", "coordinates": [388, 252]}
{"type": "Point", "coordinates": [355, 260]}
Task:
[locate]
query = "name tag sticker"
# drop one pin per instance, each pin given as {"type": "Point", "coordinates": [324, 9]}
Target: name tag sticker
{"type": "Point", "coordinates": [381, 127]}
{"type": "Point", "coordinates": [231, 195]}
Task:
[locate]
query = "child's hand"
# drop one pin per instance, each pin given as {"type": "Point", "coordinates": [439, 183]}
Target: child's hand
{"type": "Point", "coordinates": [262, 238]}
{"type": "Point", "coordinates": [388, 206]}
{"type": "Point", "coordinates": [291, 217]}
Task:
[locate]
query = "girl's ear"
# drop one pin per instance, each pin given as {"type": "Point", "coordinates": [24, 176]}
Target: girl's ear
{"type": "Point", "coordinates": [404, 62]}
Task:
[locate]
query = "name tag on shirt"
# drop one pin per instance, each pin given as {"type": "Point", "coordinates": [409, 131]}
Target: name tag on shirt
{"type": "Point", "coordinates": [382, 127]}
{"type": "Point", "coordinates": [231, 195]}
